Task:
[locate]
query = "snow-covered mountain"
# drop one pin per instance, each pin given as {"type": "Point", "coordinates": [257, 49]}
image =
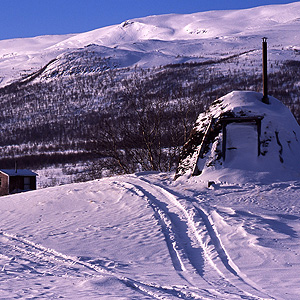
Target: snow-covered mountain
{"type": "Point", "coordinates": [165, 39]}
{"type": "Point", "coordinates": [145, 236]}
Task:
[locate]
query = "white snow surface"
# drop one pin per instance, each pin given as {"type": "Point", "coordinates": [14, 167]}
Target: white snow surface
{"type": "Point", "coordinates": [159, 40]}
{"type": "Point", "coordinates": [144, 236]}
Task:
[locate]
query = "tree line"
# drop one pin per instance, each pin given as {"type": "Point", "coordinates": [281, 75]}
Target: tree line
{"type": "Point", "coordinates": [124, 120]}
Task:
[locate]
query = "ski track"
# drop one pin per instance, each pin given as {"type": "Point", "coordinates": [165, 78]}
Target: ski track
{"type": "Point", "coordinates": [24, 256]}
{"type": "Point", "coordinates": [183, 222]}
{"type": "Point", "coordinates": [195, 248]}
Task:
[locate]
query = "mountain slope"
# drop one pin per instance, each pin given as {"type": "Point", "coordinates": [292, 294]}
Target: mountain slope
{"type": "Point", "coordinates": [159, 40]}
{"type": "Point", "coordinates": [145, 237]}
{"type": "Point", "coordinates": [72, 97]}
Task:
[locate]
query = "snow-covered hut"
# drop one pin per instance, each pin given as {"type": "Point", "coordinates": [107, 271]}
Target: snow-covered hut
{"type": "Point", "coordinates": [241, 137]}
{"type": "Point", "coordinates": [16, 180]}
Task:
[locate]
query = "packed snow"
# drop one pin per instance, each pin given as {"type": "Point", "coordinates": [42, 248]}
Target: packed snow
{"type": "Point", "coordinates": [145, 236]}
{"type": "Point", "coordinates": [159, 40]}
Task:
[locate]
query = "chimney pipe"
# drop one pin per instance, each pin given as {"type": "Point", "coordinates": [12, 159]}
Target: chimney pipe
{"type": "Point", "coordinates": [16, 166]}
{"type": "Point", "coordinates": [265, 98]}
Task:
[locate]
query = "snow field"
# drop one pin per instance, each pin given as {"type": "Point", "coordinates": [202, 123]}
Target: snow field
{"type": "Point", "coordinates": [144, 236]}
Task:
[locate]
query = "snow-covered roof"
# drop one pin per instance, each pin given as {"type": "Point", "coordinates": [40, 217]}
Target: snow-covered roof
{"type": "Point", "coordinates": [257, 138]}
{"type": "Point", "coordinates": [20, 172]}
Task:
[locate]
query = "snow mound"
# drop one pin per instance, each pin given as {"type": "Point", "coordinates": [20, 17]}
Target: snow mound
{"type": "Point", "coordinates": [242, 139]}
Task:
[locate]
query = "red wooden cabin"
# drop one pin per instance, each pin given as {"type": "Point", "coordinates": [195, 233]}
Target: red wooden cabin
{"type": "Point", "coordinates": [16, 180]}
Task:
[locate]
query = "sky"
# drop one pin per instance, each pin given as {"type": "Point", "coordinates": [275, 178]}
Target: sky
{"type": "Point", "coordinates": [29, 18]}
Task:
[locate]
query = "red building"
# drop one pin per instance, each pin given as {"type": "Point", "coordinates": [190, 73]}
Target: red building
{"type": "Point", "coordinates": [16, 180]}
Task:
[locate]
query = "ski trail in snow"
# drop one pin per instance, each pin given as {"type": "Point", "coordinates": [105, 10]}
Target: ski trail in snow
{"type": "Point", "coordinates": [175, 246]}
{"type": "Point", "coordinates": [200, 225]}
{"type": "Point", "coordinates": [228, 263]}
{"type": "Point", "coordinates": [178, 252]}
{"type": "Point", "coordinates": [49, 262]}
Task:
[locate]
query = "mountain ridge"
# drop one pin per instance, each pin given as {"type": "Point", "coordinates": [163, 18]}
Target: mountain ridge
{"type": "Point", "coordinates": [163, 39]}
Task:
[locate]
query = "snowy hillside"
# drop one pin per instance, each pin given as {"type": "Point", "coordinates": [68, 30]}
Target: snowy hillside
{"type": "Point", "coordinates": [67, 99]}
{"type": "Point", "coordinates": [145, 236]}
{"type": "Point", "coordinates": [160, 40]}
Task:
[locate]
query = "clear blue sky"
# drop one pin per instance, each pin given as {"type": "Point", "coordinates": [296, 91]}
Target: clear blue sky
{"type": "Point", "coordinates": [27, 18]}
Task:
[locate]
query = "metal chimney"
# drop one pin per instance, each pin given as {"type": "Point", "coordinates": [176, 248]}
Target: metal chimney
{"type": "Point", "coordinates": [16, 166]}
{"type": "Point", "coordinates": [265, 98]}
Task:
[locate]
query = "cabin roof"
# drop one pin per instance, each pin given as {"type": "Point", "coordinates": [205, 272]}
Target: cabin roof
{"type": "Point", "coordinates": [20, 172]}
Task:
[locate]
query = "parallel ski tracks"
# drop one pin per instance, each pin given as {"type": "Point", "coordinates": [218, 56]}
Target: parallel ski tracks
{"type": "Point", "coordinates": [195, 249]}
{"type": "Point", "coordinates": [185, 223]}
